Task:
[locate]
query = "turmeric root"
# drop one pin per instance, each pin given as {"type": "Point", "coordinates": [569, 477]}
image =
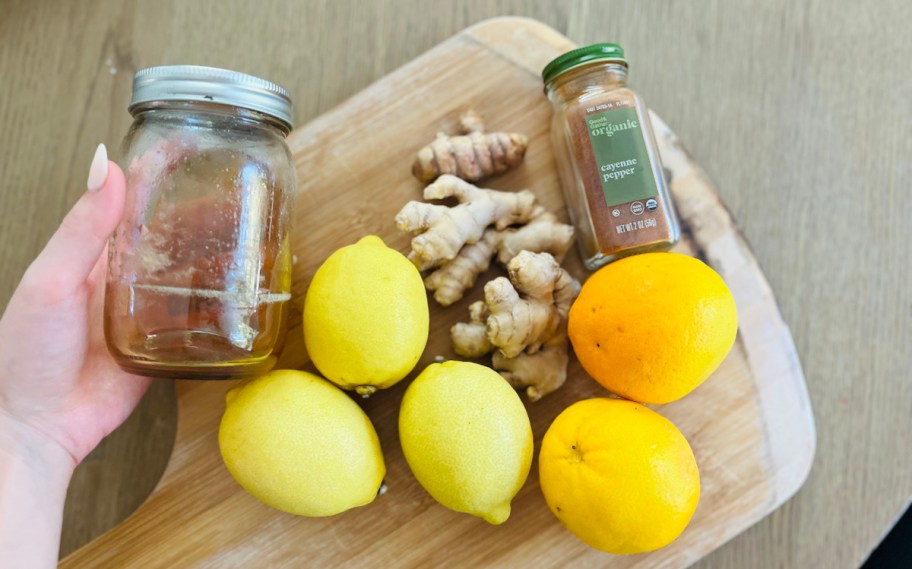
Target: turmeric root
{"type": "Point", "coordinates": [524, 320]}
{"type": "Point", "coordinates": [470, 122]}
{"type": "Point", "coordinates": [443, 231]}
{"type": "Point", "coordinates": [472, 154]}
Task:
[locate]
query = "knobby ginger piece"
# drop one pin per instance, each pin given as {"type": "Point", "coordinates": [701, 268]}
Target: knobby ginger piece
{"type": "Point", "coordinates": [454, 277]}
{"type": "Point", "coordinates": [443, 231]}
{"type": "Point", "coordinates": [525, 321]}
{"type": "Point", "coordinates": [540, 373]}
{"type": "Point", "coordinates": [528, 309]}
{"type": "Point", "coordinates": [543, 234]}
{"type": "Point", "coordinates": [472, 154]}
{"type": "Point", "coordinates": [473, 335]}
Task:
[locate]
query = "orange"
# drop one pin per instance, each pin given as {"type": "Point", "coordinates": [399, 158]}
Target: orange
{"type": "Point", "coordinates": [653, 327]}
{"type": "Point", "coordinates": [618, 475]}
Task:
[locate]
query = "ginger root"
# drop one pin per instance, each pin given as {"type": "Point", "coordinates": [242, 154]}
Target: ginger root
{"type": "Point", "coordinates": [543, 234]}
{"type": "Point", "coordinates": [527, 309]}
{"type": "Point", "coordinates": [473, 335]}
{"type": "Point", "coordinates": [524, 318]}
{"type": "Point", "coordinates": [454, 277]}
{"type": "Point", "coordinates": [472, 154]}
{"type": "Point", "coordinates": [540, 373]}
{"type": "Point", "coordinates": [443, 231]}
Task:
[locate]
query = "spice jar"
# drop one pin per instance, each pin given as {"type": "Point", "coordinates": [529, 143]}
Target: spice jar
{"type": "Point", "coordinates": [610, 171]}
{"type": "Point", "coordinates": [199, 272]}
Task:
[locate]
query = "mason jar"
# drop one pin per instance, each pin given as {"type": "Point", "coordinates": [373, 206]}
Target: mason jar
{"type": "Point", "coordinates": [199, 271]}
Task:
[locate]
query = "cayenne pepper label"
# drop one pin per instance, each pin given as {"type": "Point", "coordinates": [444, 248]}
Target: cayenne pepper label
{"type": "Point", "coordinates": [621, 175]}
{"type": "Point", "coordinates": [620, 153]}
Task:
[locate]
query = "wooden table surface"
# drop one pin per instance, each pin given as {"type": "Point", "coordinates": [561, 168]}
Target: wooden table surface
{"type": "Point", "coordinates": [800, 111]}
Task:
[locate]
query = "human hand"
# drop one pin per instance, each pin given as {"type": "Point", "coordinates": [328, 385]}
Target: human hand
{"type": "Point", "coordinates": [58, 384]}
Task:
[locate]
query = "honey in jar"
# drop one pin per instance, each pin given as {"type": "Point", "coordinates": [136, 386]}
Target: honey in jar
{"type": "Point", "coordinates": [199, 273]}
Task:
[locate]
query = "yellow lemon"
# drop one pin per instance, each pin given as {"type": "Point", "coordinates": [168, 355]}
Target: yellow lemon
{"type": "Point", "coordinates": [653, 327]}
{"type": "Point", "coordinates": [618, 475]}
{"type": "Point", "coordinates": [467, 438]}
{"type": "Point", "coordinates": [366, 316]}
{"type": "Point", "coordinates": [300, 444]}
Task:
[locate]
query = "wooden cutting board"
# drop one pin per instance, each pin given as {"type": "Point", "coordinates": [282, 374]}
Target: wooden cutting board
{"type": "Point", "coordinates": [750, 424]}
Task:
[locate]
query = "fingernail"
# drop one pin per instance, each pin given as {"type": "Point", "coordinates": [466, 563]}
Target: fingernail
{"type": "Point", "coordinates": [98, 171]}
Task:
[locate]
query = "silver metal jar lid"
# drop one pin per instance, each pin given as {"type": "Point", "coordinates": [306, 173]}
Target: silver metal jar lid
{"type": "Point", "coordinates": [212, 85]}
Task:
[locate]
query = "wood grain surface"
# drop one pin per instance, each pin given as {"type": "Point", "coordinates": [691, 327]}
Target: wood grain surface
{"type": "Point", "coordinates": [799, 111]}
{"type": "Point", "coordinates": [750, 425]}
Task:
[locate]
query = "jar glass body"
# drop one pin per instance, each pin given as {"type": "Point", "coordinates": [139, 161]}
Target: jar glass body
{"type": "Point", "coordinates": [199, 269]}
{"type": "Point", "coordinates": [610, 170]}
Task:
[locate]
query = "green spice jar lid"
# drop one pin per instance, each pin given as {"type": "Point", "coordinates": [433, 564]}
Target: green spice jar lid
{"type": "Point", "coordinates": [595, 52]}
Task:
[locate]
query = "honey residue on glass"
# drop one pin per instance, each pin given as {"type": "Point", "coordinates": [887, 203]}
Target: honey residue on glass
{"type": "Point", "coordinates": [202, 289]}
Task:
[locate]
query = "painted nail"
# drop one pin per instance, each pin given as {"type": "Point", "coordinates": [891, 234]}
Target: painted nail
{"type": "Point", "coordinates": [98, 171]}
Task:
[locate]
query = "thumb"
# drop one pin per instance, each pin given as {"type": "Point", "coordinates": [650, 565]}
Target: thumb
{"type": "Point", "coordinates": [74, 249]}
